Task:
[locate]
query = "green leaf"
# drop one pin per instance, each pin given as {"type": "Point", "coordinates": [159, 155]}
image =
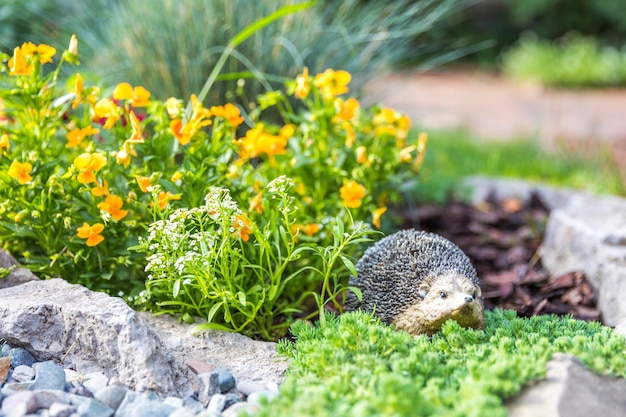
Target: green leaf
{"type": "Point", "coordinates": [349, 264]}
{"type": "Point", "coordinates": [213, 311]}
{"type": "Point", "coordinates": [176, 288]}
{"type": "Point", "coordinates": [242, 298]}
{"type": "Point", "coordinates": [211, 326]}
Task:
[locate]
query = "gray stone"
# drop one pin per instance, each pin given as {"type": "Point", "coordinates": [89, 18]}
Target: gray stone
{"type": "Point", "coordinates": [47, 397]}
{"type": "Point", "coordinates": [94, 381]}
{"type": "Point", "coordinates": [174, 402]}
{"type": "Point", "coordinates": [17, 275]}
{"type": "Point", "coordinates": [570, 390]}
{"type": "Point", "coordinates": [232, 398]}
{"type": "Point", "coordinates": [13, 387]}
{"type": "Point", "coordinates": [151, 408]}
{"type": "Point", "coordinates": [586, 236]}
{"type": "Point", "coordinates": [93, 408]}
{"type": "Point", "coordinates": [226, 379]}
{"type": "Point", "coordinates": [243, 357]}
{"type": "Point", "coordinates": [92, 331]}
{"type": "Point", "coordinates": [216, 404]}
{"type": "Point", "coordinates": [258, 397]}
{"type": "Point", "coordinates": [128, 403]}
{"type": "Point", "coordinates": [48, 375]}
{"type": "Point", "coordinates": [23, 373]}
{"type": "Point", "coordinates": [239, 409]}
{"type": "Point", "coordinates": [19, 404]}
{"type": "Point", "coordinates": [20, 356]}
{"type": "Point", "coordinates": [247, 386]}
{"type": "Point", "coordinates": [112, 396]}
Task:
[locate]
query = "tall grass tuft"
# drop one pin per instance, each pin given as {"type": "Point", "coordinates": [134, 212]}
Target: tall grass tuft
{"type": "Point", "coordinates": [171, 46]}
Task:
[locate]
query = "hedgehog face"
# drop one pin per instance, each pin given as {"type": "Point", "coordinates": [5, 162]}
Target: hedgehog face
{"type": "Point", "coordinates": [440, 298]}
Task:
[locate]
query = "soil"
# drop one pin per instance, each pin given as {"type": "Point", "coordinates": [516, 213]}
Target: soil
{"type": "Point", "coordinates": [502, 239]}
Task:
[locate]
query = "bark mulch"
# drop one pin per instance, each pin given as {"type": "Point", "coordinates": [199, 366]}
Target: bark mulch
{"type": "Point", "coordinates": [502, 240]}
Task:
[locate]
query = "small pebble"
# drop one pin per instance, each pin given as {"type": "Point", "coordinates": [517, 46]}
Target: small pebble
{"type": "Point", "coordinates": [151, 408]}
{"type": "Point", "coordinates": [209, 385]}
{"type": "Point", "coordinates": [111, 396]}
{"type": "Point", "coordinates": [21, 356]}
{"type": "Point", "coordinates": [46, 397]}
{"type": "Point", "coordinates": [93, 408]}
{"type": "Point", "coordinates": [95, 381]}
{"type": "Point", "coordinates": [232, 398]}
{"type": "Point", "coordinates": [248, 386]}
{"type": "Point", "coordinates": [23, 373]}
{"type": "Point", "coordinates": [259, 397]}
{"type": "Point", "coordinates": [48, 375]}
{"type": "Point", "coordinates": [60, 410]}
{"type": "Point", "coordinates": [216, 404]}
{"type": "Point", "coordinates": [19, 404]}
{"type": "Point", "coordinates": [5, 350]}
{"type": "Point", "coordinates": [5, 367]}
{"type": "Point", "coordinates": [226, 379]}
{"type": "Point", "coordinates": [238, 409]}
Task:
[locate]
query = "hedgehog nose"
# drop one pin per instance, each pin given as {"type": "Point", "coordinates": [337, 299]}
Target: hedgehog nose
{"type": "Point", "coordinates": [469, 298]}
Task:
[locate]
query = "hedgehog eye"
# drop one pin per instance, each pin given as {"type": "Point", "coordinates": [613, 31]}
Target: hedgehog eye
{"type": "Point", "coordinates": [443, 294]}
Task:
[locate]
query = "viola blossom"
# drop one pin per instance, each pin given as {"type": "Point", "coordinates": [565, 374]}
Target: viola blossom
{"type": "Point", "coordinates": [242, 227]}
{"type": "Point", "coordinates": [143, 183]}
{"type": "Point", "coordinates": [352, 194]}
{"type": "Point", "coordinates": [308, 229]}
{"type": "Point", "coordinates": [257, 142]}
{"type": "Point", "coordinates": [303, 85]}
{"type": "Point", "coordinates": [21, 172]}
{"type": "Point", "coordinates": [88, 164]}
{"type": "Point", "coordinates": [376, 216]}
{"type": "Point", "coordinates": [100, 190]}
{"type": "Point", "coordinates": [113, 206]}
{"type": "Point", "coordinates": [136, 97]}
{"type": "Point", "coordinates": [390, 122]}
{"type": "Point", "coordinates": [164, 198]}
{"type": "Point", "coordinates": [106, 112]}
{"type": "Point", "coordinates": [347, 109]}
{"type": "Point", "coordinates": [230, 112]}
{"type": "Point", "coordinates": [21, 63]}
{"type": "Point", "coordinates": [4, 142]}
{"type": "Point", "coordinates": [76, 135]}
{"type": "Point", "coordinates": [184, 132]}
{"type": "Point", "coordinates": [332, 83]}
{"type": "Point", "coordinates": [123, 155]}
{"type": "Point", "coordinates": [91, 233]}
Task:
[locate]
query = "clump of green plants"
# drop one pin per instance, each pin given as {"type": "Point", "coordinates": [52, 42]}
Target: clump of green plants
{"type": "Point", "coordinates": [572, 61]}
{"type": "Point", "coordinates": [238, 220]}
{"type": "Point", "coordinates": [355, 366]}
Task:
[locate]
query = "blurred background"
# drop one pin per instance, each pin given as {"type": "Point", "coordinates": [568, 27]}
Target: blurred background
{"type": "Point", "coordinates": [541, 80]}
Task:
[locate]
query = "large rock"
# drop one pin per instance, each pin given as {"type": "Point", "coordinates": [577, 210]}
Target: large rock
{"type": "Point", "coordinates": [17, 275]}
{"type": "Point", "coordinates": [590, 235]}
{"type": "Point", "coordinates": [570, 390]}
{"type": "Point", "coordinates": [55, 320]}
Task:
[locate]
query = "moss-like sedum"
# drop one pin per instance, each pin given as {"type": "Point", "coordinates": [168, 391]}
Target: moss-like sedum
{"type": "Point", "coordinates": [356, 366]}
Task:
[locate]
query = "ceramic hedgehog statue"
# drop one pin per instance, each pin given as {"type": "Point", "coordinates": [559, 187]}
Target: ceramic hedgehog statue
{"type": "Point", "coordinates": [417, 281]}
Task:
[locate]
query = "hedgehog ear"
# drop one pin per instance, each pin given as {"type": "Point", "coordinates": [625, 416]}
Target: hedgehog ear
{"type": "Point", "coordinates": [423, 290]}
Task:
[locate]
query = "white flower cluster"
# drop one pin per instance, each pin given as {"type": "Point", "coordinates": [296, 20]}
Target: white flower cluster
{"type": "Point", "coordinates": [280, 185]}
{"type": "Point", "coordinates": [219, 203]}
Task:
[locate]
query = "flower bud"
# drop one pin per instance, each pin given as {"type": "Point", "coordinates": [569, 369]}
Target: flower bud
{"type": "Point", "coordinates": [73, 48]}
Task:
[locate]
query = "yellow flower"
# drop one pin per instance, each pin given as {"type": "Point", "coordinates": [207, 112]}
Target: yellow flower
{"type": "Point", "coordinates": [137, 97]}
{"type": "Point", "coordinates": [303, 85]}
{"type": "Point", "coordinates": [21, 172]}
{"type": "Point", "coordinates": [390, 122]}
{"type": "Point", "coordinates": [177, 176]}
{"type": "Point", "coordinates": [88, 164]}
{"type": "Point", "coordinates": [106, 109]}
{"type": "Point", "coordinates": [378, 213]}
{"type": "Point", "coordinates": [143, 182]}
{"type": "Point", "coordinates": [352, 194]}
{"type": "Point", "coordinates": [308, 229]}
{"type": "Point", "coordinates": [172, 105]}
{"type": "Point", "coordinates": [230, 112]}
{"type": "Point", "coordinates": [243, 227]}
{"type": "Point", "coordinates": [18, 65]}
{"type": "Point", "coordinates": [101, 190]}
{"type": "Point", "coordinates": [77, 90]}
{"type": "Point", "coordinates": [113, 205]}
{"type": "Point", "coordinates": [332, 83]}
{"type": "Point", "coordinates": [76, 135]}
{"type": "Point", "coordinates": [258, 142]}
{"type": "Point", "coordinates": [164, 198]}
{"type": "Point", "coordinates": [43, 52]}
{"type": "Point", "coordinates": [361, 154]}
{"type": "Point", "coordinates": [91, 233]}
{"type": "Point", "coordinates": [4, 142]}
{"type": "Point", "coordinates": [21, 63]}
{"type": "Point", "coordinates": [347, 110]}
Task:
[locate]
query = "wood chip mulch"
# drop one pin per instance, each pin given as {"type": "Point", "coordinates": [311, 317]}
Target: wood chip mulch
{"type": "Point", "coordinates": [502, 239]}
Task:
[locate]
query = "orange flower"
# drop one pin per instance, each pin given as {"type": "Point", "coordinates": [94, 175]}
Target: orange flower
{"type": "Point", "coordinates": [243, 226]}
{"type": "Point", "coordinates": [184, 132]}
{"type": "Point", "coordinates": [76, 135]}
{"type": "Point", "coordinates": [256, 204]}
{"type": "Point", "coordinates": [21, 171]}
{"type": "Point", "coordinates": [21, 63]}
{"type": "Point", "coordinates": [390, 122]}
{"type": "Point", "coordinates": [308, 229]}
{"type": "Point", "coordinates": [332, 83]}
{"type": "Point", "coordinates": [18, 64]}
{"type": "Point", "coordinates": [303, 85]}
{"type": "Point", "coordinates": [143, 182]}
{"type": "Point", "coordinates": [4, 142]}
{"type": "Point", "coordinates": [352, 194]}
{"type": "Point", "coordinates": [88, 164]}
{"type": "Point", "coordinates": [113, 205]}
{"type": "Point", "coordinates": [101, 190]}
{"type": "Point", "coordinates": [91, 233]}
{"type": "Point", "coordinates": [106, 109]}
{"type": "Point", "coordinates": [361, 154]}
{"type": "Point", "coordinates": [137, 97]}
{"type": "Point", "coordinates": [230, 112]}
{"type": "Point", "coordinates": [378, 213]}
{"type": "Point", "coordinates": [164, 198]}
{"type": "Point", "coordinates": [347, 110]}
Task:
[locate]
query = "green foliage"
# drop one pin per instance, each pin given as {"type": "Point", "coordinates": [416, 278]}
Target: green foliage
{"type": "Point", "coordinates": [355, 366]}
{"type": "Point", "coordinates": [572, 61]}
{"type": "Point", "coordinates": [453, 155]}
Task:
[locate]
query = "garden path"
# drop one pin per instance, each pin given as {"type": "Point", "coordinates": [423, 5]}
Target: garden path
{"type": "Point", "coordinates": [492, 107]}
